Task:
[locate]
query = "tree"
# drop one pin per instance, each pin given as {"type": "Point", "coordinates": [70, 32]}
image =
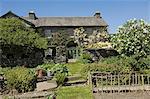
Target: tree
{"type": "Point", "coordinates": [19, 43]}
{"type": "Point", "coordinates": [132, 38]}
{"type": "Point", "coordinates": [16, 32]}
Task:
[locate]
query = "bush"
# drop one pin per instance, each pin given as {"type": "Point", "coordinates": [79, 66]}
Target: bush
{"type": "Point", "coordinates": [85, 58]}
{"type": "Point", "coordinates": [21, 79]}
{"type": "Point", "coordinates": [60, 72]}
{"type": "Point", "coordinates": [132, 38]}
{"type": "Point", "coordinates": [112, 64]}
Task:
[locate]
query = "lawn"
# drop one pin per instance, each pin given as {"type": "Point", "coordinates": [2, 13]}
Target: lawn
{"type": "Point", "coordinates": [75, 67]}
{"type": "Point", "coordinates": [74, 93]}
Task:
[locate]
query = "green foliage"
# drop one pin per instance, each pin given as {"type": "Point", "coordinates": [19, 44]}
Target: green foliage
{"type": "Point", "coordinates": [60, 72]}
{"type": "Point", "coordinates": [21, 79]}
{"type": "Point", "coordinates": [113, 65]}
{"type": "Point", "coordinates": [132, 38]}
{"type": "Point", "coordinates": [60, 78]}
{"type": "Point", "coordinates": [60, 68]}
{"type": "Point", "coordinates": [46, 66]}
{"type": "Point", "coordinates": [16, 32]}
{"type": "Point", "coordinates": [85, 58]}
{"type": "Point", "coordinates": [141, 63]}
{"type": "Point", "coordinates": [74, 93]}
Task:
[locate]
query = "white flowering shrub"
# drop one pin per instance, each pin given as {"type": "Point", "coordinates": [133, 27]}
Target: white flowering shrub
{"type": "Point", "coordinates": [95, 40]}
{"type": "Point", "coordinates": [80, 36]}
{"type": "Point", "coordinates": [132, 38]}
{"type": "Point", "coordinates": [98, 36]}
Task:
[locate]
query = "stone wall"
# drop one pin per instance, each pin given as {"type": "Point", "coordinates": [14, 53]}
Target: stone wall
{"type": "Point", "coordinates": [89, 30]}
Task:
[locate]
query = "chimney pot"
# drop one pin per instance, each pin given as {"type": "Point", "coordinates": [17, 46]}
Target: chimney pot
{"type": "Point", "coordinates": [32, 15]}
{"type": "Point", "coordinates": [97, 14]}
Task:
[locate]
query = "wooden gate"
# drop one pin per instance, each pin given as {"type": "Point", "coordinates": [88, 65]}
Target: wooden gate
{"type": "Point", "coordinates": [123, 82]}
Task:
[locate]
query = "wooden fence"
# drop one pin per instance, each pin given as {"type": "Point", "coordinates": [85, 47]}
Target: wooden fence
{"type": "Point", "coordinates": [123, 82]}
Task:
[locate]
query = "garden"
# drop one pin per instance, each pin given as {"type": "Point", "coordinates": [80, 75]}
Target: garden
{"type": "Point", "coordinates": [21, 75]}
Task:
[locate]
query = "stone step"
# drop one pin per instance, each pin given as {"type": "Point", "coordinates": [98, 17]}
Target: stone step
{"type": "Point", "coordinates": [72, 78]}
{"type": "Point", "coordinates": [75, 82]}
{"type": "Point", "coordinates": [32, 95]}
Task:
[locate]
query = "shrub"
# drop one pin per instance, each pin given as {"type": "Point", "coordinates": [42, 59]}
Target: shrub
{"type": "Point", "coordinates": [112, 64]}
{"type": "Point", "coordinates": [60, 78]}
{"type": "Point", "coordinates": [21, 79]}
{"type": "Point", "coordinates": [132, 38]}
{"type": "Point", "coordinates": [85, 58]}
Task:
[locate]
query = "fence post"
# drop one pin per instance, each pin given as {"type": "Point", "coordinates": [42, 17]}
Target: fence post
{"type": "Point", "coordinates": [147, 76]}
{"type": "Point", "coordinates": [119, 82]}
{"type": "Point", "coordinates": [111, 84]}
{"type": "Point", "coordinates": [142, 82]}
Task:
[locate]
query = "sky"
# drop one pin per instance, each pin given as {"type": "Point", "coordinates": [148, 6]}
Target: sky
{"type": "Point", "coordinates": [114, 12]}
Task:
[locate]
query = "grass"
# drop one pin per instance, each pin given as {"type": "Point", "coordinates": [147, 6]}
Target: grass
{"type": "Point", "coordinates": [75, 67]}
{"type": "Point", "coordinates": [83, 92]}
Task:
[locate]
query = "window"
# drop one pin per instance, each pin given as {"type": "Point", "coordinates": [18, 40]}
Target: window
{"type": "Point", "coordinates": [47, 33]}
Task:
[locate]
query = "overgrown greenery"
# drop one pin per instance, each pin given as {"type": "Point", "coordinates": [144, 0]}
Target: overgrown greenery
{"type": "Point", "coordinates": [112, 64]}
{"type": "Point", "coordinates": [133, 40]}
{"type": "Point", "coordinates": [16, 32]}
{"type": "Point", "coordinates": [20, 78]}
{"type": "Point", "coordinates": [20, 43]}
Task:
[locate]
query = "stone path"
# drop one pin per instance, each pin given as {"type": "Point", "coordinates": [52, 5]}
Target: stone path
{"type": "Point", "coordinates": [41, 92]}
{"type": "Point", "coordinates": [129, 95]}
{"type": "Point", "coordinates": [43, 86]}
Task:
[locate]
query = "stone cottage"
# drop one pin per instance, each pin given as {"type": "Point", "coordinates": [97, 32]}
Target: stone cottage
{"type": "Point", "coordinates": [49, 25]}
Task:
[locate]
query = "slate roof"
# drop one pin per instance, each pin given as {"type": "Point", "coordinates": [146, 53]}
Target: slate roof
{"type": "Point", "coordinates": [67, 21]}
{"type": "Point", "coordinates": [61, 21]}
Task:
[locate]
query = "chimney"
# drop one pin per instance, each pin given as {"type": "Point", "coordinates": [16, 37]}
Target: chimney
{"type": "Point", "coordinates": [32, 15]}
{"type": "Point", "coordinates": [97, 14]}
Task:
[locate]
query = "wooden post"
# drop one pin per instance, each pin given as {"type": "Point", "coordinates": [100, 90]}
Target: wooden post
{"type": "Point", "coordinates": [102, 83]}
{"type": "Point", "coordinates": [107, 82]}
{"type": "Point", "coordinates": [118, 83]}
{"type": "Point", "coordinates": [148, 79]}
{"type": "Point", "coordinates": [142, 81]}
{"type": "Point", "coordinates": [133, 79]}
{"type": "Point", "coordinates": [111, 84]}
{"type": "Point", "coordinates": [125, 84]}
